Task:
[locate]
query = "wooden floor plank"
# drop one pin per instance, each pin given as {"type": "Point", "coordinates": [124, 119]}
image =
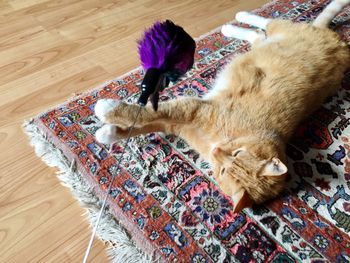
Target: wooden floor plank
{"type": "Point", "coordinates": [50, 49]}
{"type": "Point", "coordinates": [37, 100]}
{"type": "Point", "coordinates": [29, 84]}
{"type": "Point", "coordinates": [19, 4]}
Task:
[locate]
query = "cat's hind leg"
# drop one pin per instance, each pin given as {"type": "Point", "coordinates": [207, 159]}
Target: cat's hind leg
{"type": "Point", "coordinates": [241, 33]}
{"type": "Point", "coordinates": [254, 20]}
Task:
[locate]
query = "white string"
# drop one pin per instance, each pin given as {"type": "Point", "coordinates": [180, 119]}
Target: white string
{"type": "Point", "coordinates": [109, 189]}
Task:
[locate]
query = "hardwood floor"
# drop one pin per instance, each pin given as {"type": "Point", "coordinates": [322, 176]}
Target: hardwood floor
{"type": "Point", "coordinates": [48, 51]}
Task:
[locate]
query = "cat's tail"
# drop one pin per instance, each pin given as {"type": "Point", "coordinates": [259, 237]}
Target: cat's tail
{"type": "Point", "coordinates": [331, 10]}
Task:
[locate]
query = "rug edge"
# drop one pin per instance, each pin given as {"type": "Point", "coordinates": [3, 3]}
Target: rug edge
{"type": "Point", "coordinates": [121, 246]}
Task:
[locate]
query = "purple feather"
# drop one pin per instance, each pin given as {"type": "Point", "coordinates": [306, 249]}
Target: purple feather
{"type": "Point", "coordinates": [166, 52]}
{"type": "Point", "coordinates": [167, 47]}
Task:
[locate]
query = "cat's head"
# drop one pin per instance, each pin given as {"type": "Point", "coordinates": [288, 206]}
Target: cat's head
{"type": "Point", "coordinates": [248, 169]}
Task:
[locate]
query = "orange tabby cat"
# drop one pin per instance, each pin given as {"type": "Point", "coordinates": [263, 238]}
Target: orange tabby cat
{"type": "Point", "coordinates": [244, 123]}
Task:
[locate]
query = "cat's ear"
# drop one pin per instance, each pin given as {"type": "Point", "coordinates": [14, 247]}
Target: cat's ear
{"type": "Point", "coordinates": [231, 187]}
{"type": "Point", "coordinates": [239, 196]}
{"type": "Point", "coordinates": [241, 200]}
{"type": "Point", "coordinates": [275, 167]}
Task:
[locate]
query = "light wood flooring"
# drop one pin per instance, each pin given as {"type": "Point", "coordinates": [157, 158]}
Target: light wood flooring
{"type": "Point", "coordinates": [50, 49]}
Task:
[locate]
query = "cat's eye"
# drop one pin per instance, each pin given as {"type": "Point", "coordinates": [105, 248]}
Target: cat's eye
{"type": "Point", "coordinates": [236, 152]}
{"type": "Point", "coordinates": [222, 171]}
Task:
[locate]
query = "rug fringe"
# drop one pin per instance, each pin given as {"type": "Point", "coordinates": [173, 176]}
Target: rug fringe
{"type": "Point", "coordinates": [121, 246]}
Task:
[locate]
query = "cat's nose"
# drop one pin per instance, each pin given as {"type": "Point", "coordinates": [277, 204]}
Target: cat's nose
{"type": "Point", "coordinates": [215, 150]}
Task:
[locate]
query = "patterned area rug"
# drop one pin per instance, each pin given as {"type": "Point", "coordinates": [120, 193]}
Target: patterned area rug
{"type": "Point", "coordinates": [164, 204]}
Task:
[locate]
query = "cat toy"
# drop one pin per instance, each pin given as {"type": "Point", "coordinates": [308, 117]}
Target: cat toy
{"type": "Point", "coordinates": [166, 52]}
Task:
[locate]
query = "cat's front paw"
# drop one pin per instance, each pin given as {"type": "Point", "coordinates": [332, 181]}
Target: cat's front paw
{"type": "Point", "coordinates": [107, 134]}
{"type": "Point", "coordinates": [105, 107]}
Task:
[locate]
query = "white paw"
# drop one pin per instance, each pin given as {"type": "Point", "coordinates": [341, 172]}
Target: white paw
{"type": "Point", "coordinates": [105, 106]}
{"type": "Point", "coordinates": [226, 30]}
{"type": "Point", "coordinates": [242, 16]}
{"type": "Point", "coordinates": [107, 134]}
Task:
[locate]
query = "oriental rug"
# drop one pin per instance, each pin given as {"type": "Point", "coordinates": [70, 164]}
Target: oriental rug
{"type": "Point", "coordinates": [165, 205]}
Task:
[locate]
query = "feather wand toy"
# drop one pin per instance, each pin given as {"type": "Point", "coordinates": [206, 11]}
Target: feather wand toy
{"type": "Point", "coordinates": [166, 52]}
